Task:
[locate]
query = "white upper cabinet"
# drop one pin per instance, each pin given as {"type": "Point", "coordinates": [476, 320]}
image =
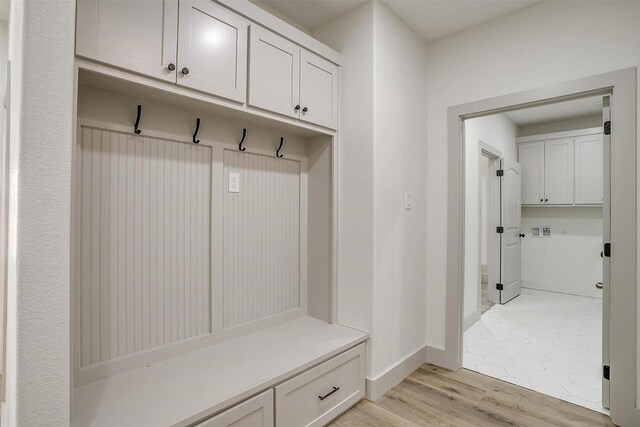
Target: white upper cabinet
{"type": "Point", "coordinates": [589, 169]}
{"type": "Point", "coordinates": [139, 36]}
{"type": "Point", "coordinates": [531, 159]}
{"type": "Point", "coordinates": [558, 172]}
{"type": "Point", "coordinates": [274, 73]}
{"type": "Point", "coordinates": [318, 90]}
{"type": "Point", "coordinates": [212, 50]}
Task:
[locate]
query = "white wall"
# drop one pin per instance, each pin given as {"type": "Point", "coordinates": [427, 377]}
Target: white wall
{"type": "Point", "coordinates": [568, 261]}
{"type": "Point", "coordinates": [561, 125]}
{"type": "Point", "coordinates": [499, 132]}
{"type": "Point", "coordinates": [41, 40]}
{"type": "Point", "coordinates": [507, 55]}
{"type": "Point", "coordinates": [382, 150]}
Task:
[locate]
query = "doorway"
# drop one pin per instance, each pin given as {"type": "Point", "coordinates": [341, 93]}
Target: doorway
{"type": "Point", "coordinates": [621, 275]}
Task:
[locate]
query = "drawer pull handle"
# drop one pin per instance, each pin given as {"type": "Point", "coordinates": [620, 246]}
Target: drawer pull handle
{"type": "Point", "coordinates": [329, 394]}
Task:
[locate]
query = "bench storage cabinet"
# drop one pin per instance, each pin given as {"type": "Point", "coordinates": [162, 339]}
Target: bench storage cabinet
{"type": "Point", "coordinates": [255, 412]}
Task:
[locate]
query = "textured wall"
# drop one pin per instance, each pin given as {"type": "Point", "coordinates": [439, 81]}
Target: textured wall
{"type": "Point", "coordinates": [38, 326]}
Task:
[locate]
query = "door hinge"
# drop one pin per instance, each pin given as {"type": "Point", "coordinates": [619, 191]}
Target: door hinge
{"type": "Point", "coordinates": [499, 286]}
{"type": "Point", "coordinates": [607, 127]}
{"type": "Point", "coordinates": [500, 172]}
{"type": "Point", "coordinates": [499, 230]}
{"type": "Point", "coordinates": [607, 250]}
{"type": "Point", "coordinates": [606, 370]}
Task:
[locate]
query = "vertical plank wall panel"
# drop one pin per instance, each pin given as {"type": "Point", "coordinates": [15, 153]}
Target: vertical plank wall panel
{"type": "Point", "coordinates": [143, 224]}
{"type": "Point", "coordinates": [261, 248]}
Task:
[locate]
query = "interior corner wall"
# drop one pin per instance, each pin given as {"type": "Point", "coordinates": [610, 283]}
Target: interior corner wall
{"type": "Point", "coordinates": [41, 48]}
{"type": "Point", "coordinates": [400, 152]}
{"type": "Point", "coordinates": [382, 156]}
{"type": "Point", "coordinates": [351, 34]}
{"type": "Point", "coordinates": [561, 125]}
{"type": "Point", "coordinates": [499, 132]}
{"type": "Point", "coordinates": [507, 55]}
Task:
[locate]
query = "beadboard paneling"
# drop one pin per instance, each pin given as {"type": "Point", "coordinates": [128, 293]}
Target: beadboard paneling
{"type": "Point", "coordinates": [143, 225]}
{"type": "Point", "coordinates": [261, 248]}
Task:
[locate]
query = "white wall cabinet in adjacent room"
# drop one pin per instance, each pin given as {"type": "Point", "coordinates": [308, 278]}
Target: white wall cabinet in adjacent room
{"type": "Point", "coordinates": [531, 159]}
{"type": "Point", "coordinates": [287, 79]}
{"type": "Point", "coordinates": [212, 50]}
{"type": "Point", "coordinates": [588, 169]}
{"type": "Point", "coordinates": [563, 169]}
{"type": "Point", "coordinates": [139, 36]}
{"type": "Point", "coordinates": [558, 172]}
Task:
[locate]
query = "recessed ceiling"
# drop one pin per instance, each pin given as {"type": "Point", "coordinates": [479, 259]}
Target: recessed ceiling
{"type": "Point", "coordinates": [574, 109]}
{"type": "Point", "coordinates": [431, 19]}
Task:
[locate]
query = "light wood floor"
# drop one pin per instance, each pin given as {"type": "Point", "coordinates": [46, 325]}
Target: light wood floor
{"type": "Point", "coordinates": [434, 396]}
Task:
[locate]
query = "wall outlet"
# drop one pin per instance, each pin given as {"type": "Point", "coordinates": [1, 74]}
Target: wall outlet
{"type": "Point", "coordinates": [407, 201]}
{"type": "Point", "coordinates": [234, 182]}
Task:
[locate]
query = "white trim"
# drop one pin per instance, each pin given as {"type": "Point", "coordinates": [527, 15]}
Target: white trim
{"type": "Point", "coordinates": [376, 387]}
{"type": "Point", "coordinates": [558, 135]}
{"type": "Point", "coordinates": [472, 318]}
{"type": "Point", "coordinates": [277, 25]}
{"type": "Point", "coordinates": [624, 276]}
{"type": "Point", "coordinates": [576, 289]}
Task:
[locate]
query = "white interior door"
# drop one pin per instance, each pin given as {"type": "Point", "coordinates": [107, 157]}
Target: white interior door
{"type": "Point", "coordinates": [212, 50]}
{"type": "Point", "coordinates": [510, 248]}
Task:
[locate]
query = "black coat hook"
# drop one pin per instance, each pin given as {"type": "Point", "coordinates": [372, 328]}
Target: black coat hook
{"type": "Point", "coordinates": [244, 135]}
{"type": "Point", "coordinates": [195, 134]}
{"type": "Point", "coordinates": [279, 147]}
{"type": "Point", "coordinates": [135, 127]}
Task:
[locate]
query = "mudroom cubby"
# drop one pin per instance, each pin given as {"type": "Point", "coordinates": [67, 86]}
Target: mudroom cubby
{"type": "Point", "coordinates": [203, 256]}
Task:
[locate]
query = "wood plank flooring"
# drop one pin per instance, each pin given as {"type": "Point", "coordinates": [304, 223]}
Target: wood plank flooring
{"type": "Point", "coordinates": [435, 396]}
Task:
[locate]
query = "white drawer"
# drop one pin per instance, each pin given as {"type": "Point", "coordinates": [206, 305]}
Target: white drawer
{"type": "Point", "coordinates": [255, 412]}
{"type": "Point", "coordinates": [341, 380]}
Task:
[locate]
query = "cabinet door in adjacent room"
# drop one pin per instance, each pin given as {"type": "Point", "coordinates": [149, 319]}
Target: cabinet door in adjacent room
{"type": "Point", "coordinates": [274, 73]}
{"type": "Point", "coordinates": [212, 50]}
{"type": "Point", "coordinates": [139, 36]}
{"type": "Point", "coordinates": [558, 172]}
{"type": "Point", "coordinates": [589, 172]}
{"type": "Point", "coordinates": [531, 158]}
{"type": "Point", "coordinates": [318, 90]}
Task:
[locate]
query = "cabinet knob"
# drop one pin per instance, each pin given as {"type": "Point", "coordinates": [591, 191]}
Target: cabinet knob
{"type": "Point", "coordinates": [546, 200]}
{"type": "Point", "coordinates": [171, 67]}
{"type": "Point", "coordinates": [541, 200]}
{"type": "Point", "coordinates": [185, 71]}
{"type": "Point", "coordinates": [297, 107]}
{"type": "Point", "coordinates": [305, 109]}
{"type": "Point", "coordinates": [521, 234]}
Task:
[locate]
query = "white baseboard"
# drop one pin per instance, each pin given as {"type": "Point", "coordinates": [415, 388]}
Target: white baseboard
{"type": "Point", "coordinates": [439, 357]}
{"type": "Point", "coordinates": [376, 387]}
{"type": "Point", "coordinates": [563, 288]}
{"type": "Point", "coordinates": [471, 319]}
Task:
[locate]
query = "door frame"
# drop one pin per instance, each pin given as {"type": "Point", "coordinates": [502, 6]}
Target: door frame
{"type": "Point", "coordinates": [493, 214]}
{"type": "Point", "coordinates": [622, 86]}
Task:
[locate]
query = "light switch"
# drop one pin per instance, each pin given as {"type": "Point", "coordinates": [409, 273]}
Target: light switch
{"type": "Point", "coordinates": [234, 182]}
{"type": "Point", "coordinates": [407, 201]}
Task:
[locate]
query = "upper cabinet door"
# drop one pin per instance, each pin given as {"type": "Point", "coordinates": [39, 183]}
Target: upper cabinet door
{"type": "Point", "coordinates": [558, 181]}
{"type": "Point", "coordinates": [139, 36]}
{"type": "Point", "coordinates": [318, 90]}
{"type": "Point", "coordinates": [589, 169]}
{"type": "Point", "coordinates": [274, 73]}
{"type": "Point", "coordinates": [212, 50]}
{"type": "Point", "coordinates": [531, 159]}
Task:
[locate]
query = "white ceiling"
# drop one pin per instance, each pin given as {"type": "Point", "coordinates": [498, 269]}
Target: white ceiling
{"type": "Point", "coordinates": [431, 19]}
{"type": "Point", "coordinates": [566, 110]}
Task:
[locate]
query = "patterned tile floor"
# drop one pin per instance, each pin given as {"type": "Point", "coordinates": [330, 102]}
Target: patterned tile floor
{"type": "Point", "coordinates": [544, 341]}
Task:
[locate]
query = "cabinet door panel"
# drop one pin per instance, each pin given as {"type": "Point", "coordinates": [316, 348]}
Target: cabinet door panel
{"type": "Point", "coordinates": [274, 73]}
{"type": "Point", "coordinates": [139, 36]}
{"type": "Point", "coordinates": [213, 47]}
{"type": "Point", "coordinates": [318, 90]}
{"type": "Point", "coordinates": [531, 159]}
{"type": "Point", "coordinates": [589, 169]}
{"type": "Point", "coordinates": [558, 171]}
